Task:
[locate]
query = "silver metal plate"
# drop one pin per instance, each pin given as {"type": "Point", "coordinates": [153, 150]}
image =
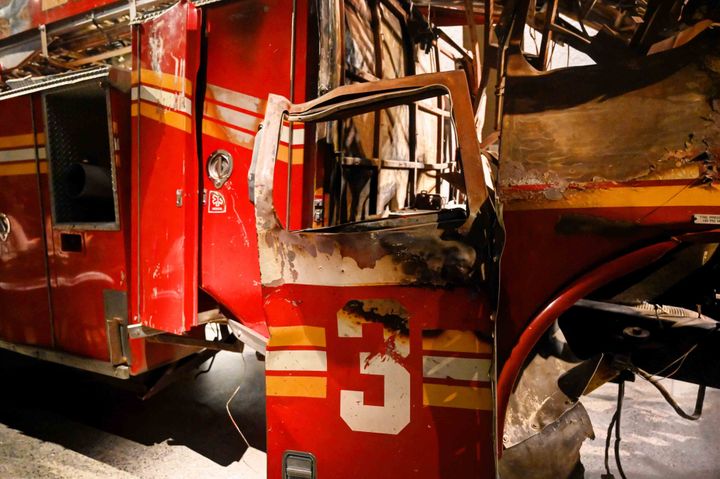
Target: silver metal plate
{"type": "Point", "coordinates": [703, 219]}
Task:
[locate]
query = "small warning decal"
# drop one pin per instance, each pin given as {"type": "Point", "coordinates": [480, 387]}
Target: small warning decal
{"type": "Point", "coordinates": [216, 202]}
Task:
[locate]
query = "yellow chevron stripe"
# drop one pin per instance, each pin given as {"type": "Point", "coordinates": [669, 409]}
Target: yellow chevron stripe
{"type": "Point", "coordinates": [22, 168]}
{"type": "Point", "coordinates": [163, 80]}
{"type": "Point", "coordinates": [456, 341]}
{"type": "Point", "coordinates": [161, 115]}
{"type": "Point", "coordinates": [297, 336]}
{"type": "Point", "coordinates": [462, 397]}
{"type": "Point", "coordinates": [296, 386]}
{"type": "Point", "coordinates": [18, 141]}
{"type": "Point", "coordinates": [624, 197]}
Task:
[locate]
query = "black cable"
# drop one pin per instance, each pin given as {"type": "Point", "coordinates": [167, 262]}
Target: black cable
{"type": "Point", "coordinates": [608, 474]}
{"type": "Point", "coordinates": [670, 400]}
{"type": "Point", "coordinates": [615, 424]}
{"type": "Point", "coordinates": [618, 413]}
{"type": "Point", "coordinates": [212, 361]}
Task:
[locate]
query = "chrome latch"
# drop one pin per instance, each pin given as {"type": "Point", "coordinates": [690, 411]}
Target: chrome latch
{"type": "Point", "coordinates": [298, 465]}
{"type": "Point", "coordinates": [220, 167]}
{"type": "Point", "coordinates": [4, 227]}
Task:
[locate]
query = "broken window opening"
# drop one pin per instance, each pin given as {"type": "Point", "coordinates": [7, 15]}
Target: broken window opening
{"type": "Point", "coordinates": [373, 175]}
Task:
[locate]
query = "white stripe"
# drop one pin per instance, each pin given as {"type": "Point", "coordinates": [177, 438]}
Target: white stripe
{"type": "Point", "coordinates": [236, 99]}
{"type": "Point", "coordinates": [171, 100]}
{"type": "Point", "coordinates": [298, 135]}
{"type": "Point", "coordinates": [465, 369]}
{"type": "Point", "coordinates": [233, 117]}
{"type": "Point", "coordinates": [21, 154]}
{"type": "Point", "coordinates": [296, 361]}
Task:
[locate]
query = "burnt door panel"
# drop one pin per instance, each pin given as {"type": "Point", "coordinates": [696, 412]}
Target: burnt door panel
{"type": "Point", "coordinates": [380, 330]}
{"type": "Point", "coordinates": [165, 182]}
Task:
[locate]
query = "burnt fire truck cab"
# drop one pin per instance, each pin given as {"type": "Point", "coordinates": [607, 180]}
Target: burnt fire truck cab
{"type": "Point", "coordinates": [439, 223]}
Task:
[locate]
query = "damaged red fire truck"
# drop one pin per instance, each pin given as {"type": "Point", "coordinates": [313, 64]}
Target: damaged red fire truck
{"type": "Point", "coordinates": [441, 223]}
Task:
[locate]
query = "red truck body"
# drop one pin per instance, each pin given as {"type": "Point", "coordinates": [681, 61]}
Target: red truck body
{"type": "Point", "coordinates": [393, 340]}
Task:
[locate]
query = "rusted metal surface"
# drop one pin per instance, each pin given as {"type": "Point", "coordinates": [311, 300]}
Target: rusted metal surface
{"type": "Point", "coordinates": [552, 454]}
{"type": "Point", "coordinates": [649, 119]}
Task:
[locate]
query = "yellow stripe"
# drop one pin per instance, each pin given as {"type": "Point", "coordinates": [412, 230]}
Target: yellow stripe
{"type": "Point", "coordinates": [297, 336]}
{"type": "Point", "coordinates": [456, 341]}
{"type": "Point", "coordinates": [235, 137]}
{"type": "Point", "coordinates": [17, 141]}
{"type": "Point", "coordinates": [161, 115]}
{"type": "Point", "coordinates": [462, 397]}
{"type": "Point", "coordinates": [22, 168]}
{"type": "Point", "coordinates": [296, 386]}
{"type": "Point", "coordinates": [297, 155]}
{"type": "Point", "coordinates": [627, 197]}
{"type": "Point", "coordinates": [163, 80]}
{"type": "Point", "coordinates": [229, 135]}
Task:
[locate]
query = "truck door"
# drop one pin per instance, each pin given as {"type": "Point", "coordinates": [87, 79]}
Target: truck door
{"type": "Point", "coordinates": [165, 175]}
{"type": "Point", "coordinates": [24, 302]}
{"type": "Point", "coordinates": [379, 358]}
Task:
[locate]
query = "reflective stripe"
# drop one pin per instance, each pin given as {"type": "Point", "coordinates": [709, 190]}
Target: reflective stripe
{"type": "Point", "coordinates": [17, 141]}
{"type": "Point", "coordinates": [455, 341]}
{"type": "Point", "coordinates": [246, 140]}
{"type": "Point", "coordinates": [233, 117]}
{"type": "Point", "coordinates": [22, 168]}
{"type": "Point", "coordinates": [297, 336]}
{"type": "Point", "coordinates": [462, 397]}
{"type": "Point", "coordinates": [296, 386]}
{"type": "Point", "coordinates": [162, 80]}
{"type": "Point", "coordinates": [296, 361]}
{"type": "Point", "coordinates": [623, 197]}
{"type": "Point", "coordinates": [173, 101]}
{"type": "Point", "coordinates": [466, 369]}
{"type": "Point", "coordinates": [236, 99]}
{"type": "Point", "coordinates": [22, 154]}
{"type": "Point", "coordinates": [161, 115]}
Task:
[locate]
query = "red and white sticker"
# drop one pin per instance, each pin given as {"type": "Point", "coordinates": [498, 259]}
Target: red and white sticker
{"type": "Point", "coordinates": [216, 202]}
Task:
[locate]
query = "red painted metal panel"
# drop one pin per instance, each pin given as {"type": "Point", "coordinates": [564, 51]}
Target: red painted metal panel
{"type": "Point", "coordinates": [79, 278]}
{"type": "Point", "coordinates": [24, 304]}
{"type": "Point", "coordinates": [439, 439]}
{"type": "Point", "coordinates": [165, 173]}
{"type": "Point", "coordinates": [245, 37]}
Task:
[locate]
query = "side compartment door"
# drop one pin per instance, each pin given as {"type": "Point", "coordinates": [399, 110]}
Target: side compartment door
{"type": "Point", "coordinates": [166, 52]}
{"type": "Point", "coordinates": [24, 303]}
{"type": "Point", "coordinates": [379, 358]}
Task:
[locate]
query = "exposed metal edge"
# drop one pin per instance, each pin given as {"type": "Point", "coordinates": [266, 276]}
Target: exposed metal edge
{"type": "Point", "coordinates": [138, 331]}
{"type": "Point", "coordinates": [248, 336]}
{"type": "Point", "coordinates": [55, 81]}
{"type": "Point", "coordinates": [203, 3]}
{"type": "Point", "coordinates": [86, 364]}
{"type": "Point", "coordinates": [151, 15]}
{"type": "Point", "coordinates": [81, 20]}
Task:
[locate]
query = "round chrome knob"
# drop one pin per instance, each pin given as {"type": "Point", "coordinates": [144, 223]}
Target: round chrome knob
{"type": "Point", "coordinates": [220, 167]}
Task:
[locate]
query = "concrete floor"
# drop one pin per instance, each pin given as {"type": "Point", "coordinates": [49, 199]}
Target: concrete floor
{"type": "Point", "coordinates": [656, 442]}
{"type": "Point", "coordinates": [57, 422]}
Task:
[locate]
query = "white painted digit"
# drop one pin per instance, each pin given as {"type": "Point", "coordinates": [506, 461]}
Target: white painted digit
{"type": "Point", "coordinates": [394, 415]}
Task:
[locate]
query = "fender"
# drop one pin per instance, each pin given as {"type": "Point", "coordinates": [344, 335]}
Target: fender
{"type": "Point", "coordinates": [577, 290]}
